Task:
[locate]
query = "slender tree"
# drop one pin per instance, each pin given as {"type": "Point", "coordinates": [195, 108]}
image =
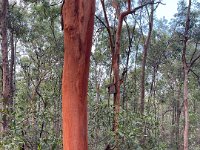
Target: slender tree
{"type": "Point", "coordinates": [5, 64]}
{"type": "Point", "coordinates": [115, 51]}
{"type": "Point", "coordinates": [186, 71]}
{"type": "Point", "coordinates": [78, 21]}
{"type": "Point", "coordinates": [144, 58]}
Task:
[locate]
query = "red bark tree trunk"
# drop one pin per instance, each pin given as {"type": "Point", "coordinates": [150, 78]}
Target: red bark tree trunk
{"type": "Point", "coordinates": [78, 22]}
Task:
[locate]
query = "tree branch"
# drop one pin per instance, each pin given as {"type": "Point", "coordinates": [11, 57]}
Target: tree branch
{"type": "Point", "coordinates": [194, 53]}
{"type": "Point", "coordinates": [194, 60]}
{"type": "Point", "coordinates": [125, 13]}
{"type": "Point", "coordinates": [194, 73]}
{"type": "Point", "coordinates": [102, 22]}
{"type": "Point", "coordinates": [108, 26]}
{"type": "Point", "coordinates": [197, 76]}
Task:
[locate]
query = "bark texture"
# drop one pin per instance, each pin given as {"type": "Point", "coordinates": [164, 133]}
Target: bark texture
{"type": "Point", "coordinates": [78, 22]}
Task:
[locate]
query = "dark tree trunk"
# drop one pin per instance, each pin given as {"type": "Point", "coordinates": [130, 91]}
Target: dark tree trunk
{"type": "Point", "coordinates": [12, 71]}
{"type": "Point", "coordinates": [5, 64]}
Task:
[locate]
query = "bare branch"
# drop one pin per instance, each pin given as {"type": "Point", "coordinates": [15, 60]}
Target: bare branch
{"type": "Point", "coordinates": [195, 74]}
{"type": "Point", "coordinates": [102, 22]}
{"type": "Point", "coordinates": [125, 13]}
{"type": "Point", "coordinates": [108, 26]}
{"type": "Point", "coordinates": [194, 53]}
{"type": "Point", "coordinates": [194, 60]}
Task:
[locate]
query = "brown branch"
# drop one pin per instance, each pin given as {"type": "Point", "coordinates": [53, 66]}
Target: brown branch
{"type": "Point", "coordinates": [108, 26]}
{"type": "Point", "coordinates": [125, 13]}
{"type": "Point", "coordinates": [129, 5]}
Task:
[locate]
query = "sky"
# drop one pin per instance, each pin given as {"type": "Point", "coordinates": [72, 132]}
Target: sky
{"type": "Point", "coordinates": [167, 10]}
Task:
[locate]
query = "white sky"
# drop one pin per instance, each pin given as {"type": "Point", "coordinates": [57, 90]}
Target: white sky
{"type": "Point", "coordinates": [167, 10]}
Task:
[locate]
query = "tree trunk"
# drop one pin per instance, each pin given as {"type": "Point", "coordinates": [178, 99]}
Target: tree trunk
{"type": "Point", "coordinates": [146, 46]}
{"type": "Point", "coordinates": [78, 21]}
{"type": "Point", "coordinates": [178, 114]}
{"type": "Point", "coordinates": [186, 114]}
{"type": "Point", "coordinates": [142, 90]}
{"type": "Point", "coordinates": [116, 58]}
{"type": "Point", "coordinates": [186, 71]}
{"type": "Point", "coordinates": [5, 64]}
{"type": "Point", "coordinates": [12, 71]}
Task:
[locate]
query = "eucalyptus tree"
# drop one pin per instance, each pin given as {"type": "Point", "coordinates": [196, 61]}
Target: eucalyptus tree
{"type": "Point", "coordinates": [186, 27]}
{"type": "Point", "coordinates": [78, 21]}
{"type": "Point", "coordinates": [144, 57]}
{"type": "Point", "coordinates": [121, 14]}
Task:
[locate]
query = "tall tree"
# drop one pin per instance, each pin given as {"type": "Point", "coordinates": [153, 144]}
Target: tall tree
{"type": "Point", "coordinates": [78, 21]}
{"type": "Point", "coordinates": [186, 68]}
{"type": "Point", "coordinates": [115, 50]}
{"type": "Point", "coordinates": [5, 63]}
{"type": "Point", "coordinates": [144, 58]}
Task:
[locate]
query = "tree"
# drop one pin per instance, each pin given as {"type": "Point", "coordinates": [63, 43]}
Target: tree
{"type": "Point", "coordinates": [115, 51]}
{"type": "Point", "coordinates": [40, 66]}
{"type": "Point", "coordinates": [78, 20]}
{"type": "Point", "coordinates": [5, 63]}
{"type": "Point", "coordinates": [186, 71]}
{"type": "Point", "coordinates": [35, 37]}
{"type": "Point", "coordinates": [146, 47]}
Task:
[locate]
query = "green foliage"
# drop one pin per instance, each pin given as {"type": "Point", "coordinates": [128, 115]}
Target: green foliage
{"type": "Point", "coordinates": [36, 118]}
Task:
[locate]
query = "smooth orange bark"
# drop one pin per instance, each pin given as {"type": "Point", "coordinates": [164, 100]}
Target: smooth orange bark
{"type": "Point", "coordinates": [78, 22]}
